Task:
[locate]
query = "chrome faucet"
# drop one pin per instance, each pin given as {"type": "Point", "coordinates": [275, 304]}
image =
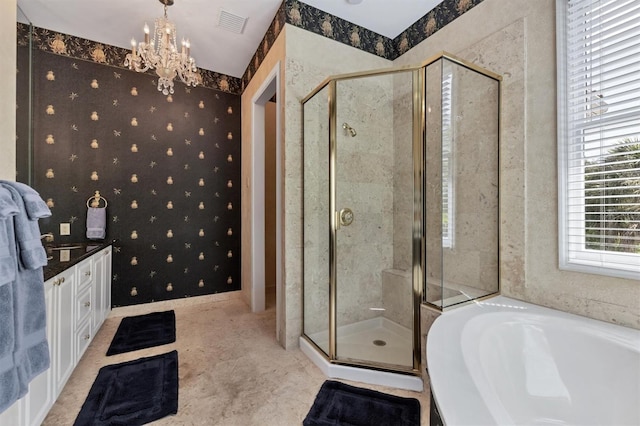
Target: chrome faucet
{"type": "Point", "coordinates": [48, 237]}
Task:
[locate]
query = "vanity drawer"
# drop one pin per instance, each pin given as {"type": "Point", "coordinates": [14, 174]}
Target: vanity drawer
{"type": "Point", "coordinates": [83, 338]}
{"type": "Point", "coordinates": [85, 274]}
{"type": "Point", "coordinates": [83, 306]}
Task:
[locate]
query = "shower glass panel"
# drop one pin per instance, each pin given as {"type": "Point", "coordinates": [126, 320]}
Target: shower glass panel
{"type": "Point", "coordinates": [461, 198]}
{"type": "Point", "coordinates": [316, 213]}
{"type": "Point", "coordinates": [374, 205]}
{"type": "Point", "coordinates": [400, 201]}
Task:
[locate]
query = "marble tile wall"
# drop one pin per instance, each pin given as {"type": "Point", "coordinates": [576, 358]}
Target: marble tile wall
{"type": "Point", "coordinates": [403, 170]}
{"type": "Point", "coordinates": [364, 183]}
{"type": "Point", "coordinates": [397, 296]}
{"type": "Point", "coordinates": [304, 70]}
{"type": "Point", "coordinates": [472, 257]}
{"type": "Point", "coordinates": [316, 214]}
{"type": "Point", "coordinates": [433, 183]}
{"type": "Point", "coordinates": [517, 40]}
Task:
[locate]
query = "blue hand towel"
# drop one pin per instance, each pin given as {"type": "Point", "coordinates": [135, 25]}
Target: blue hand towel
{"type": "Point", "coordinates": [96, 223]}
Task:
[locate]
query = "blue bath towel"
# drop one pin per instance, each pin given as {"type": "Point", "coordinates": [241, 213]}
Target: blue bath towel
{"type": "Point", "coordinates": [8, 209]}
{"type": "Point", "coordinates": [8, 267]}
{"type": "Point", "coordinates": [33, 203]}
{"type": "Point", "coordinates": [9, 382]}
{"type": "Point", "coordinates": [22, 307]}
{"type": "Point", "coordinates": [7, 206]}
{"type": "Point", "coordinates": [32, 253]}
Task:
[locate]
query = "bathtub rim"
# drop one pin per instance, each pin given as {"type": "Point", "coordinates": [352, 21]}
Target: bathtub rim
{"type": "Point", "coordinates": [455, 394]}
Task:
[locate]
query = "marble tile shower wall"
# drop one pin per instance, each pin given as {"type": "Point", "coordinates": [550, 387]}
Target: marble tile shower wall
{"type": "Point", "coordinates": [403, 173]}
{"type": "Point", "coordinates": [364, 183]}
{"type": "Point", "coordinates": [471, 257]}
{"type": "Point", "coordinates": [168, 167]}
{"type": "Point", "coordinates": [472, 260]}
{"type": "Point", "coordinates": [316, 214]}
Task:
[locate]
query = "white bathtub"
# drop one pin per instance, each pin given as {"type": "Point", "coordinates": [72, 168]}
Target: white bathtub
{"type": "Point", "coordinates": [506, 362]}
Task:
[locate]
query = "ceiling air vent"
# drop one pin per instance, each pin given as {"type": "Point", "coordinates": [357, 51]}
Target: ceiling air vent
{"type": "Point", "coordinates": [231, 22]}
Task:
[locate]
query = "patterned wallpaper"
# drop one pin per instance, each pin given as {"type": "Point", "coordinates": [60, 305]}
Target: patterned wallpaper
{"type": "Point", "coordinates": [169, 168]}
{"type": "Point", "coordinates": [307, 17]}
{"type": "Point", "coordinates": [442, 15]}
{"type": "Point", "coordinates": [80, 48]}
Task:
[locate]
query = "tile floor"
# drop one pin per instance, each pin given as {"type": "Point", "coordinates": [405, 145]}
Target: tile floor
{"type": "Point", "coordinates": [231, 370]}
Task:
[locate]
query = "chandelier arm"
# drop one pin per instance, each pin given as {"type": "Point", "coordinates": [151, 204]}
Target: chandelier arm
{"type": "Point", "coordinates": [162, 54]}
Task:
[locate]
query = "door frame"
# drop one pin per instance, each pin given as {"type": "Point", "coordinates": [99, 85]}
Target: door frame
{"type": "Point", "coordinates": [270, 87]}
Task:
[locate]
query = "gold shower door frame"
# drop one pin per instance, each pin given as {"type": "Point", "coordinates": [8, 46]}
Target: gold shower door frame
{"type": "Point", "coordinates": [418, 240]}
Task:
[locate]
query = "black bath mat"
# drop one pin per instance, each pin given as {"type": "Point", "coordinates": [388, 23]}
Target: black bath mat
{"type": "Point", "coordinates": [144, 331]}
{"type": "Point", "coordinates": [132, 393]}
{"type": "Point", "coordinates": [341, 404]}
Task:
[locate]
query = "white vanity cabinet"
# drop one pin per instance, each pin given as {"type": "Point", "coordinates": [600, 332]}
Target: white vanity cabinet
{"type": "Point", "coordinates": [101, 296]}
{"type": "Point", "coordinates": [78, 300]}
{"type": "Point", "coordinates": [60, 318]}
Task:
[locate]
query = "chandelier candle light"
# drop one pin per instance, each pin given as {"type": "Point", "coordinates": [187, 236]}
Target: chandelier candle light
{"type": "Point", "coordinates": [161, 53]}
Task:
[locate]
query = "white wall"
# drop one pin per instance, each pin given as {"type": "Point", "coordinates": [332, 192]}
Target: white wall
{"type": "Point", "coordinates": [275, 55]}
{"type": "Point", "coordinates": [8, 65]}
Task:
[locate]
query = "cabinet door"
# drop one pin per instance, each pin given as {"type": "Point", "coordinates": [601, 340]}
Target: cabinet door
{"type": "Point", "coordinates": [84, 274]}
{"type": "Point", "coordinates": [103, 284]}
{"type": "Point", "coordinates": [13, 415]}
{"type": "Point", "coordinates": [98, 294]}
{"type": "Point", "coordinates": [107, 281]}
{"type": "Point", "coordinates": [40, 397]}
{"type": "Point", "coordinates": [64, 330]}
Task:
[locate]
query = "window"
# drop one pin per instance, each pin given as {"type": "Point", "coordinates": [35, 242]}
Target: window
{"type": "Point", "coordinates": [599, 135]}
{"type": "Point", "coordinates": [448, 192]}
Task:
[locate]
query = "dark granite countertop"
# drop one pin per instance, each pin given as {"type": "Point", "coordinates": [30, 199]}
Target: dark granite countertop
{"type": "Point", "coordinates": [64, 256]}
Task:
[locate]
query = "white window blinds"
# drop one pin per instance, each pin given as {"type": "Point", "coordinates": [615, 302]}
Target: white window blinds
{"type": "Point", "coordinates": [448, 192]}
{"type": "Point", "coordinates": [600, 142]}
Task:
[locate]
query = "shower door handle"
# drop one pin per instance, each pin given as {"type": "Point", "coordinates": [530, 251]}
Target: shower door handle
{"type": "Point", "coordinates": [345, 217]}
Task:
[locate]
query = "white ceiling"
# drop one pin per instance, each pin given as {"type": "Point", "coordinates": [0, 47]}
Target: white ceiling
{"type": "Point", "coordinates": [115, 22]}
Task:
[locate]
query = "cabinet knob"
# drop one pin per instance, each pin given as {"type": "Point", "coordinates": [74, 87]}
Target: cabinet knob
{"type": "Point", "coordinates": [87, 337]}
{"type": "Point", "coordinates": [87, 274]}
{"type": "Point", "coordinates": [87, 304]}
{"type": "Point", "coordinates": [61, 280]}
{"type": "Point", "coordinates": [56, 282]}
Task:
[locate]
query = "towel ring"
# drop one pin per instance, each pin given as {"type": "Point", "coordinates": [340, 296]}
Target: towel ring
{"type": "Point", "coordinates": [95, 200]}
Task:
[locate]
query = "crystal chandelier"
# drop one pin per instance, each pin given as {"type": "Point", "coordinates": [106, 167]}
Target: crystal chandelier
{"type": "Point", "coordinates": [161, 53]}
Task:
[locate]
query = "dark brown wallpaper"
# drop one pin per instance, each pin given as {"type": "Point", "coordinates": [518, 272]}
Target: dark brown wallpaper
{"type": "Point", "coordinates": [169, 170]}
{"type": "Point", "coordinates": [168, 167]}
{"type": "Point", "coordinates": [302, 15]}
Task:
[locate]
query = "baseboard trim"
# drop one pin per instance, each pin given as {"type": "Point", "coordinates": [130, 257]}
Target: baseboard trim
{"type": "Point", "coordinates": [165, 305]}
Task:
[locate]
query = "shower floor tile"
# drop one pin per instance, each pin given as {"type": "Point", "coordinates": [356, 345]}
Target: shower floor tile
{"type": "Point", "coordinates": [361, 341]}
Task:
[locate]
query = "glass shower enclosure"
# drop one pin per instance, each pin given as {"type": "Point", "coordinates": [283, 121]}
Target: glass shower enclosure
{"type": "Point", "coordinates": [381, 175]}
